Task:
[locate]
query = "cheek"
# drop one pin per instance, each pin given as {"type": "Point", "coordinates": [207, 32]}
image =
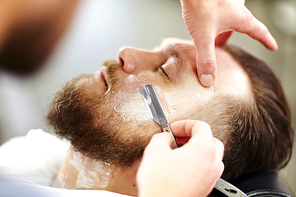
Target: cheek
{"type": "Point", "coordinates": [130, 106]}
{"type": "Point", "coordinates": [134, 82]}
{"type": "Point", "coordinates": [181, 102]}
{"type": "Point", "coordinates": [137, 81]}
{"type": "Point", "coordinates": [128, 102]}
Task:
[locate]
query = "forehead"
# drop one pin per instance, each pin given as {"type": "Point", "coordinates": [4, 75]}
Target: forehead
{"type": "Point", "coordinates": [231, 77]}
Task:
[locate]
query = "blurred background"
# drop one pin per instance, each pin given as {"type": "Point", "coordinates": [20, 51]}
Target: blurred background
{"type": "Point", "coordinates": [100, 28]}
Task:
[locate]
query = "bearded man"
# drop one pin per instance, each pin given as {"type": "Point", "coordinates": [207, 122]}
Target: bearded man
{"type": "Point", "coordinates": [108, 125]}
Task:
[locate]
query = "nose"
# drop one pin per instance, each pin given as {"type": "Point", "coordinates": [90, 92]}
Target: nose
{"type": "Point", "coordinates": [135, 60]}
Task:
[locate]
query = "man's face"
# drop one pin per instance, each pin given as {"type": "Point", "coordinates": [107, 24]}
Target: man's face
{"type": "Point", "coordinates": [171, 68]}
{"type": "Point", "coordinates": [120, 111]}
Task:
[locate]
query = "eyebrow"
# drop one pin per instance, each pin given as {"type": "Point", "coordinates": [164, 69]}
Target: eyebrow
{"type": "Point", "coordinates": [181, 62]}
{"type": "Point", "coordinates": [174, 68]}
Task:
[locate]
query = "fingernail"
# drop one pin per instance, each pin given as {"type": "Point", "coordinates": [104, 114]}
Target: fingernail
{"type": "Point", "coordinates": [206, 79]}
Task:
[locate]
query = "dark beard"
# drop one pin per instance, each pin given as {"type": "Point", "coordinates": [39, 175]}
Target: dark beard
{"type": "Point", "coordinates": [81, 116]}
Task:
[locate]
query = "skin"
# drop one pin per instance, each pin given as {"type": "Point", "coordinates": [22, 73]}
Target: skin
{"type": "Point", "coordinates": [211, 22]}
{"type": "Point", "coordinates": [200, 161]}
{"type": "Point", "coordinates": [139, 67]}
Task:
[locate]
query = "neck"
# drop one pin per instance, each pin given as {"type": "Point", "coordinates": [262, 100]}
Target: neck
{"type": "Point", "coordinates": [80, 172]}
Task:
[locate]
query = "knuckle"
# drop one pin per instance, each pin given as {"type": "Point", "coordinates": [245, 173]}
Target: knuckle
{"type": "Point", "coordinates": [203, 129]}
{"type": "Point", "coordinates": [207, 65]}
{"type": "Point", "coordinates": [205, 125]}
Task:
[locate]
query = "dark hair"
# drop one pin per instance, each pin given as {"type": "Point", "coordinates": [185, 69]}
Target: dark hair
{"type": "Point", "coordinates": [261, 134]}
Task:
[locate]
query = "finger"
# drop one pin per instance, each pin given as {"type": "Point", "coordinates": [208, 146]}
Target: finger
{"type": "Point", "coordinates": [257, 30]}
{"type": "Point", "coordinates": [263, 36]}
{"type": "Point", "coordinates": [222, 167]}
{"type": "Point", "coordinates": [222, 38]}
{"type": "Point", "coordinates": [219, 155]}
{"type": "Point", "coordinates": [182, 128]}
{"type": "Point", "coordinates": [203, 32]}
{"type": "Point", "coordinates": [160, 141]}
{"type": "Point", "coordinates": [220, 172]}
{"type": "Point", "coordinates": [187, 128]}
{"type": "Point", "coordinates": [199, 131]}
{"type": "Point", "coordinates": [219, 149]}
{"type": "Point", "coordinates": [182, 140]}
{"type": "Point", "coordinates": [201, 135]}
{"type": "Point", "coordinates": [206, 63]}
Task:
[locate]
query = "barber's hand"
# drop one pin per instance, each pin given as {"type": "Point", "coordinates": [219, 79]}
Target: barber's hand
{"type": "Point", "coordinates": [190, 170]}
{"type": "Point", "coordinates": [211, 22]}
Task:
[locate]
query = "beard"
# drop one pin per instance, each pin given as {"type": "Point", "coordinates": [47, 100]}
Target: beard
{"type": "Point", "coordinates": [92, 124]}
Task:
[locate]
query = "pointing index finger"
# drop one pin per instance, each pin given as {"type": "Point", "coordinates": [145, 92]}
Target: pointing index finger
{"type": "Point", "coordinates": [256, 30]}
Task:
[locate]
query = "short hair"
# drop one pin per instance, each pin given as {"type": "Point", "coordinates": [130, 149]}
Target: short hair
{"type": "Point", "coordinates": [260, 133]}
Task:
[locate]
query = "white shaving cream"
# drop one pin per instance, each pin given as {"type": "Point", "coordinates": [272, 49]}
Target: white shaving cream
{"type": "Point", "coordinates": [131, 106]}
{"type": "Point", "coordinates": [129, 103]}
{"type": "Point", "coordinates": [90, 173]}
{"type": "Point", "coordinates": [62, 180]}
{"type": "Point", "coordinates": [183, 100]}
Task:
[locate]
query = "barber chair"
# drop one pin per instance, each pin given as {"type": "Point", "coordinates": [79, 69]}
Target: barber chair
{"type": "Point", "coordinates": [259, 184]}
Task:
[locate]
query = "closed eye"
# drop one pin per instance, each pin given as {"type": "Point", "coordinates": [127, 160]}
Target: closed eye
{"type": "Point", "coordinates": [163, 71]}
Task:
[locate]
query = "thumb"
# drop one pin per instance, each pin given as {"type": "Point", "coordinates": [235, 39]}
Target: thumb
{"type": "Point", "coordinates": [160, 141]}
{"type": "Point", "coordinates": [206, 62]}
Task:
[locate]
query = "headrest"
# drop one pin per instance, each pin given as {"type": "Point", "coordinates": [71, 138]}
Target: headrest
{"type": "Point", "coordinates": [259, 184]}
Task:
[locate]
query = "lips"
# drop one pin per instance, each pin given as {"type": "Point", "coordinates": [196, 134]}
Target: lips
{"type": "Point", "coordinates": [104, 76]}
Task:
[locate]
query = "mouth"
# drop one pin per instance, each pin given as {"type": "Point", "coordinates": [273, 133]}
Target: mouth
{"type": "Point", "coordinates": [104, 77]}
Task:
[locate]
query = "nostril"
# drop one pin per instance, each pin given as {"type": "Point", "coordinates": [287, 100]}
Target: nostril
{"type": "Point", "coordinates": [126, 57]}
{"type": "Point", "coordinates": [121, 62]}
{"type": "Point", "coordinates": [127, 66]}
